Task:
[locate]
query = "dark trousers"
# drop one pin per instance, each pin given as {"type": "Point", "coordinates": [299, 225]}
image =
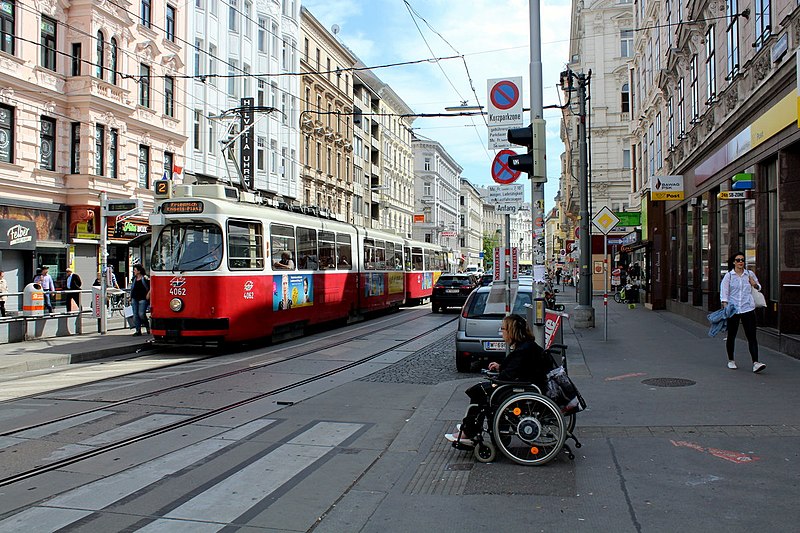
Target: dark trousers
{"type": "Point", "coordinates": [73, 302]}
{"type": "Point", "coordinates": [479, 401]}
{"type": "Point", "coordinates": [2, 308]}
{"type": "Point", "coordinates": [749, 324]}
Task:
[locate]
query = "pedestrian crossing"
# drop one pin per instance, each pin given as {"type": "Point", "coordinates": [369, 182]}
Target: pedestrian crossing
{"type": "Point", "coordinates": [213, 508]}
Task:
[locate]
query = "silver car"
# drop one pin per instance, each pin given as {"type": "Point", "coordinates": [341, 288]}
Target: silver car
{"type": "Point", "coordinates": [478, 338]}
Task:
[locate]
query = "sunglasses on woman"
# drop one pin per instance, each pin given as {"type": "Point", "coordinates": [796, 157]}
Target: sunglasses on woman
{"type": "Point", "coordinates": [739, 260]}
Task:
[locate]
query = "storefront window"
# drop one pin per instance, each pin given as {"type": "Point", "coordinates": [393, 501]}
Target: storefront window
{"type": "Point", "coordinates": [704, 244]}
{"type": "Point", "coordinates": [773, 291]}
{"type": "Point", "coordinates": [690, 248]}
{"type": "Point", "coordinates": [49, 224]}
{"type": "Point", "coordinates": [750, 233]}
{"type": "Point", "coordinates": [723, 246]}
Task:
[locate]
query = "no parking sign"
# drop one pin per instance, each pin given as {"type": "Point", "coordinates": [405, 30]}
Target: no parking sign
{"type": "Point", "coordinates": [504, 109]}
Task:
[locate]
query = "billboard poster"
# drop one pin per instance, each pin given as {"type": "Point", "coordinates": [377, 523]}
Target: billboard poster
{"type": "Point", "coordinates": [292, 290]}
{"type": "Point", "coordinates": [427, 280]}
{"type": "Point", "coordinates": [374, 284]}
{"type": "Point", "coordinates": [396, 282]}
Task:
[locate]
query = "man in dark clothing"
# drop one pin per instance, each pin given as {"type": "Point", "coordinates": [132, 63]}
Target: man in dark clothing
{"type": "Point", "coordinates": [73, 284]}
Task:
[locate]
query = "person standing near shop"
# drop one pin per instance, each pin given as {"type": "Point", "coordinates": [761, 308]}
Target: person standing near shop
{"type": "Point", "coordinates": [140, 294]}
{"type": "Point", "coordinates": [736, 289]}
{"type": "Point", "coordinates": [46, 281]}
{"type": "Point", "coordinates": [73, 284]}
{"type": "Point", "coordinates": [3, 291]}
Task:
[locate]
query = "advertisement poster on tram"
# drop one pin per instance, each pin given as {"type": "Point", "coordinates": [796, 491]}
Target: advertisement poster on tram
{"type": "Point", "coordinates": [292, 290]}
{"type": "Point", "coordinates": [374, 285]}
{"type": "Point", "coordinates": [427, 280]}
{"type": "Point", "coordinates": [396, 282]}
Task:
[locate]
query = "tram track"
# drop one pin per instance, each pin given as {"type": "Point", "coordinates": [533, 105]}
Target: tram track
{"type": "Point", "coordinates": [55, 465]}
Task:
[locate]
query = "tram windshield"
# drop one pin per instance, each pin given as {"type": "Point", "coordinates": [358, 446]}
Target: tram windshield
{"type": "Point", "coordinates": [182, 247]}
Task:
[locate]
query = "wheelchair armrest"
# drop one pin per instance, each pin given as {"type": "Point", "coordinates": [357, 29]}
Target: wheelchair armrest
{"type": "Point", "coordinates": [515, 384]}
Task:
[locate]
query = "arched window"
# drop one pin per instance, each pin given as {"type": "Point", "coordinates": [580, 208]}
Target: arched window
{"type": "Point", "coordinates": [99, 60]}
{"type": "Point", "coordinates": [113, 62]}
{"type": "Point", "coordinates": [626, 99]}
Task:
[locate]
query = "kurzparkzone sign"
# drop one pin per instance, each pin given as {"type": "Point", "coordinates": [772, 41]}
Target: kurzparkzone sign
{"type": "Point", "coordinates": [504, 110]}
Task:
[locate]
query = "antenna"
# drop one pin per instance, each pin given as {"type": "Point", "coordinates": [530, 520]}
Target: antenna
{"type": "Point", "coordinates": [335, 29]}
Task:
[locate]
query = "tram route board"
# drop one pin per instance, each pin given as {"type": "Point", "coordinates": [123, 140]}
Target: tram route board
{"type": "Point", "coordinates": [177, 208]}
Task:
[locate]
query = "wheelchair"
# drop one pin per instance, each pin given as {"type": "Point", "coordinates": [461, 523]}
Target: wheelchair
{"type": "Point", "coordinates": [525, 425]}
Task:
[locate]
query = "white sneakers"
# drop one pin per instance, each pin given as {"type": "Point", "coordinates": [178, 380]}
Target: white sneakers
{"type": "Point", "coordinates": [757, 367]}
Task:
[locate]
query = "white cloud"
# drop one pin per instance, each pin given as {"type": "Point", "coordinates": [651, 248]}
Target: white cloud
{"type": "Point", "coordinates": [493, 35]}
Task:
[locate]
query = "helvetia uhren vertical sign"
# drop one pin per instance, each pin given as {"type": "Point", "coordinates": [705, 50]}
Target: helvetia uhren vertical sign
{"type": "Point", "coordinates": [246, 153]}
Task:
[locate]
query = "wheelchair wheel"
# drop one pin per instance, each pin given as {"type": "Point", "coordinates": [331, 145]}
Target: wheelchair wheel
{"type": "Point", "coordinates": [529, 429]}
{"type": "Point", "coordinates": [570, 421]}
{"type": "Point", "coordinates": [485, 452]}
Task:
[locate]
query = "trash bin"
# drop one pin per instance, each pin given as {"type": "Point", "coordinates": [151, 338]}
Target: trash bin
{"type": "Point", "coordinates": [33, 300]}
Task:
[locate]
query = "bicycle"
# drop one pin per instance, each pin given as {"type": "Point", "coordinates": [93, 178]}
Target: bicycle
{"type": "Point", "coordinates": [117, 301]}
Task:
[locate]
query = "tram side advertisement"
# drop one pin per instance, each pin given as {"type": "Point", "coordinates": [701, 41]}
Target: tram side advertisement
{"type": "Point", "coordinates": [290, 291]}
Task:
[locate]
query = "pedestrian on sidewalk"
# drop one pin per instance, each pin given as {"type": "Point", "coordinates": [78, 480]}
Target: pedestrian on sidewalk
{"type": "Point", "coordinates": [73, 284]}
{"type": "Point", "coordinates": [736, 288]}
{"type": "Point", "coordinates": [3, 291]}
{"type": "Point", "coordinates": [46, 281]}
{"type": "Point", "coordinates": [140, 295]}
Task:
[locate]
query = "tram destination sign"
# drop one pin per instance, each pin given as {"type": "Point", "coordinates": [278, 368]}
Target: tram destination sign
{"type": "Point", "coordinates": [182, 208]}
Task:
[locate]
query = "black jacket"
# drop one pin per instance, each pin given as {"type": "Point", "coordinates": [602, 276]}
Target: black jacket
{"type": "Point", "coordinates": [526, 364]}
{"type": "Point", "coordinates": [75, 282]}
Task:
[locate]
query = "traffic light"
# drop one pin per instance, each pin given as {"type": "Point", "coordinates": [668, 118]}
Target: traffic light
{"type": "Point", "coordinates": [533, 162]}
{"type": "Point", "coordinates": [119, 230]}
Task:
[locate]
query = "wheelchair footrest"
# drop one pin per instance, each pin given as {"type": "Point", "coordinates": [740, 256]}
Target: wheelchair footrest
{"type": "Point", "coordinates": [463, 446]}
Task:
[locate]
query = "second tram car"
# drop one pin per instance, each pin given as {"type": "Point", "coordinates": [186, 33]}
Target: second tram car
{"type": "Point", "coordinates": [226, 269]}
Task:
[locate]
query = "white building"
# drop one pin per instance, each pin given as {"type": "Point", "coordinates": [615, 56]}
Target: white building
{"type": "Point", "coordinates": [470, 223]}
{"type": "Point", "coordinates": [436, 194]}
{"type": "Point", "coordinates": [233, 43]}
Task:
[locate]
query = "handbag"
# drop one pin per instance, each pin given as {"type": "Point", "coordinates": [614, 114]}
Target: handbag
{"type": "Point", "coordinates": [563, 392]}
{"type": "Point", "coordinates": [758, 297]}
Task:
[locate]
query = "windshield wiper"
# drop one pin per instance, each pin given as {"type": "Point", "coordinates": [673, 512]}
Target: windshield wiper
{"type": "Point", "coordinates": [177, 260]}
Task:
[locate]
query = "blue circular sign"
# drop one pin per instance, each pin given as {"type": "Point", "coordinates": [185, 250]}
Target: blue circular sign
{"type": "Point", "coordinates": [501, 173]}
{"type": "Point", "coordinates": [504, 95]}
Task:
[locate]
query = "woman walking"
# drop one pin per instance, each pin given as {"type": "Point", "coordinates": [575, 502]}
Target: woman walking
{"type": "Point", "coordinates": [736, 289]}
{"type": "Point", "coordinates": [140, 294]}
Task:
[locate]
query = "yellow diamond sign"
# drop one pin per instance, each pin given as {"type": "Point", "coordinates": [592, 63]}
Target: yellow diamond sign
{"type": "Point", "coordinates": [605, 220]}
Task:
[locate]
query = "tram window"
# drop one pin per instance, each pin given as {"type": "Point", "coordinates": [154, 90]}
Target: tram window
{"type": "Point", "coordinates": [245, 245]}
{"type": "Point", "coordinates": [389, 256]}
{"type": "Point", "coordinates": [398, 258]}
{"type": "Point", "coordinates": [430, 260]}
{"type": "Point", "coordinates": [407, 257]}
{"type": "Point", "coordinates": [327, 250]}
{"type": "Point", "coordinates": [187, 247]}
{"type": "Point", "coordinates": [307, 258]}
{"type": "Point", "coordinates": [416, 258]}
{"type": "Point", "coordinates": [369, 254]}
{"type": "Point", "coordinates": [344, 252]}
{"type": "Point", "coordinates": [283, 247]}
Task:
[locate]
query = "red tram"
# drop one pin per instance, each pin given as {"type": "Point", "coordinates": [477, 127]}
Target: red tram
{"type": "Point", "coordinates": [227, 268]}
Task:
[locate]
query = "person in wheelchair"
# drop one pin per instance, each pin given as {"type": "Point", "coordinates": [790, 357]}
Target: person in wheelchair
{"type": "Point", "coordinates": [527, 362]}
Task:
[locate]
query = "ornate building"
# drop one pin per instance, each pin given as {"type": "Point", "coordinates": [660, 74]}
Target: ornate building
{"type": "Point", "coordinates": [91, 101]}
{"type": "Point", "coordinates": [436, 194]}
{"type": "Point", "coordinates": [326, 121]}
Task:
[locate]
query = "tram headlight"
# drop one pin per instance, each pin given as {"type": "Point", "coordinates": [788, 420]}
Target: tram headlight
{"type": "Point", "coordinates": [176, 304]}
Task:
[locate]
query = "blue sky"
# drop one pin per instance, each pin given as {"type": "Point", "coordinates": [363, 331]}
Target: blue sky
{"type": "Point", "coordinates": [493, 37]}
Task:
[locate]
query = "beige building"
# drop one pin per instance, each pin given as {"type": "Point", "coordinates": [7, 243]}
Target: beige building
{"type": "Point", "coordinates": [470, 224]}
{"type": "Point", "coordinates": [326, 121]}
{"type": "Point", "coordinates": [90, 101]}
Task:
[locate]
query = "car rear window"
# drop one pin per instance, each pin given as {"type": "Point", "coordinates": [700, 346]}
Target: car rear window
{"type": "Point", "coordinates": [477, 305]}
{"type": "Point", "coordinates": [453, 281]}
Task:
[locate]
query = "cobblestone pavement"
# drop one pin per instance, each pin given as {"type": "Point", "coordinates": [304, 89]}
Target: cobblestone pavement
{"type": "Point", "coordinates": [429, 366]}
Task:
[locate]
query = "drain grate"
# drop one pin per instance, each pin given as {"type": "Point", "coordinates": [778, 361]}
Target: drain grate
{"type": "Point", "coordinates": [459, 466]}
{"type": "Point", "coordinates": [669, 382]}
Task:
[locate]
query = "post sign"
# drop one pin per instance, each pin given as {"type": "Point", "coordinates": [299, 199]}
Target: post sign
{"type": "Point", "coordinates": [504, 109]}
{"type": "Point", "coordinates": [666, 188]}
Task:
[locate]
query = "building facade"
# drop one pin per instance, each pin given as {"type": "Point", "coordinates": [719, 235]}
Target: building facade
{"type": "Point", "coordinates": [326, 121]}
{"type": "Point", "coordinates": [470, 224]}
{"type": "Point", "coordinates": [236, 50]}
{"type": "Point", "coordinates": [91, 101]}
{"type": "Point", "coordinates": [436, 194]}
{"type": "Point", "coordinates": [717, 102]}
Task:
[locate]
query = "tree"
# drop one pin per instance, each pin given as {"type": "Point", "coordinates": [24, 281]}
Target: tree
{"type": "Point", "coordinates": [490, 242]}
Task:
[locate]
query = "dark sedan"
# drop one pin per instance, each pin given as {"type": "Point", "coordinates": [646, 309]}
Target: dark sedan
{"type": "Point", "coordinates": [452, 290]}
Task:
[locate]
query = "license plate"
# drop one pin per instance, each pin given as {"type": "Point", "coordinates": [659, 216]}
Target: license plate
{"type": "Point", "coordinates": [451, 291]}
{"type": "Point", "coordinates": [494, 345]}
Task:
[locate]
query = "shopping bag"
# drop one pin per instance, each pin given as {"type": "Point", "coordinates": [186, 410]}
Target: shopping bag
{"type": "Point", "coordinates": [127, 311]}
{"type": "Point", "coordinates": [758, 297]}
{"type": "Point", "coordinates": [563, 392]}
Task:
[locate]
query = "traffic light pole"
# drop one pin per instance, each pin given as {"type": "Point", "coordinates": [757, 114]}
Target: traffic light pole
{"type": "Point", "coordinates": [537, 188]}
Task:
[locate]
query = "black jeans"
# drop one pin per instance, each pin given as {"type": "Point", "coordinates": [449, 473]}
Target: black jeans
{"type": "Point", "coordinates": [749, 324]}
{"type": "Point", "coordinates": [479, 401]}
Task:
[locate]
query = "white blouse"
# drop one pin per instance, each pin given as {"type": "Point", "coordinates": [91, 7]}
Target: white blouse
{"type": "Point", "coordinates": [736, 290]}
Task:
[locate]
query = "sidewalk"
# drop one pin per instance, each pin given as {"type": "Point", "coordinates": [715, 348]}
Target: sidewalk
{"type": "Point", "coordinates": [50, 352]}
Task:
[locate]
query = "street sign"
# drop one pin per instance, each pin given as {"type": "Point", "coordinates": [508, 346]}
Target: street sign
{"type": "Point", "coordinates": [506, 196]}
{"type": "Point", "coordinates": [666, 188]}
{"type": "Point", "coordinates": [605, 220]}
{"type": "Point", "coordinates": [628, 218]}
{"type": "Point", "coordinates": [504, 109]}
{"type": "Point", "coordinates": [114, 207]}
{"type": "Point", "coordinates": [733, 195]}
{"type": "Point", "coordinates": [613, 242]}
{"type": "Point", "coordinates": [501, 173]}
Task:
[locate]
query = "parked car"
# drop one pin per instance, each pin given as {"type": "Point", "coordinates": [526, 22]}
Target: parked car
{"type": "Point", "coordinates": [486, 279]}
{"type": "Point", "coordinates": [478, 338]}
{"type": "Point", "coordinates": [452, 290]}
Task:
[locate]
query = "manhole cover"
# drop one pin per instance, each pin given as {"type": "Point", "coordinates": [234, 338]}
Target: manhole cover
{"type": "Point", "coordinates": [669, 382]}
{"type": "Point", "coordinates": [460, 466]}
